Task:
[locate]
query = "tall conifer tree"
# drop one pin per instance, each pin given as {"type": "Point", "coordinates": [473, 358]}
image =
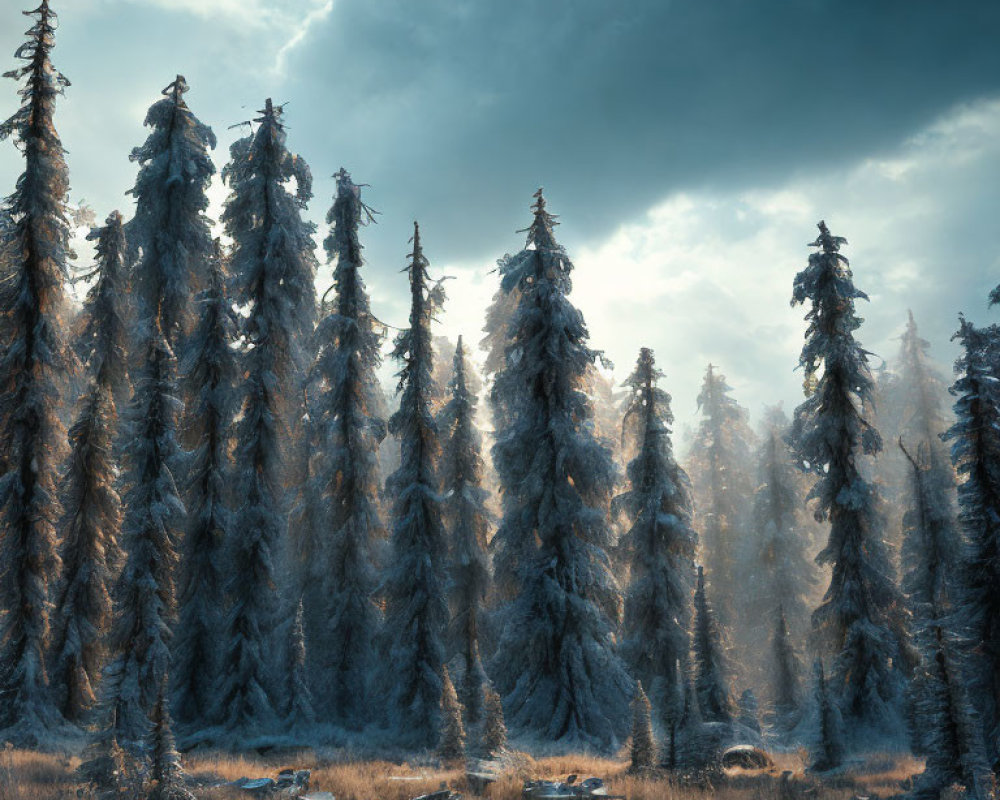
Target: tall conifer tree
{"type": "Point", "coordinates": [468, 522]}
{"type": "Point", "coordinates": [786, 676]}
{"type": "Point", "coordinates": [952, 734]}
{"type": "Point", "coordinates": [923, 391]}
{"type": "Point", "coordinates": [170, 233]}
{"type": "Point", "coordinates": [777, 572]}
{"type": "Point", "coordinates": [660, 543]}
{"type": "Point", "coordinates": [975, 439]}
{"type": "Point", "coordinates": [861, 617]}
{"type": "Point", "coordinates": [272, 272]}
{"type": "Point", "coordinates": [90, 549]}
{"type": "Point", "coordinates": [721, 469]}
{"type": "Point", "coordinates": [144, 594]}
{"type": "Point", "coordinates": [34, 364]}
{"type": "Point", "coordinates": [170, 228]}
{"type": "Point", "coordinates": [209, 368]}
{"type": "Point", "coordinates": [827, 747]}
{"type": "Point", "coordinates": [416, 603]}
{"type": "Point", "coordinates": [346, 414]}
{"type": "Point", "coordinates": [711, 672]}
{"type": "Point", "coordinates": [557, 663]}
{"type": "Point", "coordinates": [931, 519]}
{"type": "Point", "coordinates": [299, 708]}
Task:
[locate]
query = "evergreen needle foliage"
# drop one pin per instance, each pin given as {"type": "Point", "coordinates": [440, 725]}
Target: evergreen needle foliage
{"type": "Point", "coordinates": [643, 750]}
{"type": "Point", "coordinates": [710, 668]}
{"type": "Point", "coordinates": [451, 746]}
{"type": "Point", "coordinates": [975, 439]}
{"type": "Point", "coordinates": [272, 271]}
{"type": "Point", "coordinates": [494, 728]}
{"type": "Point", "coordinates": [92, 516]}
{"type": "Point", "coordinates": [342, 497]}
{"type": "Point", "coordinates": [468, 522]}
{"type": "Point", "coordinates": [144, 596]}
{"type": "Point", "coordinates": [300, 709]}
{"type": "Point", "coordinates": [660, 543]}
{"type": "Point", "coordinates": [34, 365]}
{"type": "Point", "coordinates": [779, 572]}
{"type": "Point", "coordinates": [167, 774]}
{"type": "Point", "coordinates": [860, 622]}
{"type": "Point", "coordinates": [416, 602]}
{"type": "Point", "coordinates": [828, 747]}
{"type": "Point", "coordinates": [209, 368]}
{"type": "Point", "coordinates": [721, 456]}
{"type": "Point", "coordinates": [557, 663]}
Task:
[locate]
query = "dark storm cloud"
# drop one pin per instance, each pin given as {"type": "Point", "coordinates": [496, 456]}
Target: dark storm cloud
{"type": "Point", "coordinates": [456, 111]}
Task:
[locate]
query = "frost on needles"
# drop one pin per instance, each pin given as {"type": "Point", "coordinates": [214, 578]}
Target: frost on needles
{"type": "Point", "coordinates": [342, 498]}
{"type": "Point", "coordinates": [416, 604]}
{"type": "Point", "coordinates": [34, 366]}
{"type": "Point", "coordinates": [557, 665]}
{"type": "Point", "coordinates": [272, 269]}
{"type": "Point", "coordinates": [659, 543]}
{"type": "Point", "coordinates": [860, 622]}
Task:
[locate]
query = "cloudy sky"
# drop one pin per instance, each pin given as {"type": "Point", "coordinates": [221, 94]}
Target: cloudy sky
{"type": "Point", "coordinates": [689, 147]}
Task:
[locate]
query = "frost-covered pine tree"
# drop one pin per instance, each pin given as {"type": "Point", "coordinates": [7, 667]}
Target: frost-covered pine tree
{"type": "Point", "coordinates": [170, 231]}
{"type": "Point", "coordinates": [104, 332]}
{"type": "Point", "coordinates": [749, 711]}
{"type": "Point", "coordinates": [108, 771]}
{"type": "Point", "coordinates": [91, 505]}
{"type": "Point", "coordinates": [416, 606]}
{"type": "Point", "coordinates": [451, 745]}
{"type": "Point", "coordinates": [785, 671]}
{"type": "Point", "coordinates": [660, 542]}
{"type": "Point", "coordinates": [494, 728]}
{"type": "Point", "coordinates": [711, 673]}
{"type": "Point", "coordinates": [299, 708]}
{"type": "Point", "coordinates": [686, 745]}
{"type": "Point", "coordinates": [170, 235]}
{"type": "Point", "coordinates": [208, 366]}
{"type": "Point", "coordinates": [144, 594]}
{"type": "Point", "coordinates": [923, 390]}
{"type": "Point", "coordinates": [468, 522]}
{"type": "Point", "coordinates": [493, 344]}
{"type": "Point", "coordinates": [975, 439]}
{"type": "Point", "coordinates": [930, 549]}
{"type": "Point", "coordinates": [945, 727]}
{"type": "Point", "coordinates": [931, 519]}
{"type": "Point", "coordinates": [34, 365]}
{"type": "Point", "coordinates": [827, 747]}
{"type": "Point", "coordinates": [720, 467]}
{"type": "Point", "coordinates": [167, 773]}
{"type": "Point", "coordinates": [860, 622]}
{"type": "Point", "coordinates": [642, 752]}
{"type": "Point", "coordinates": [557, 663]}
{"type": "Point", "coordinates": [951, 732]}
{"type": "Point", "coordinates": [777, 571]}
{"type": "Point", "coordinates": [346, 415]}
{"type": "Point", "coordinates": [272, 271]}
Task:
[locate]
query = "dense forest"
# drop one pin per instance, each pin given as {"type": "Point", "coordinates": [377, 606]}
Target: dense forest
{"type": "Point", "coordinates": [218, 529]}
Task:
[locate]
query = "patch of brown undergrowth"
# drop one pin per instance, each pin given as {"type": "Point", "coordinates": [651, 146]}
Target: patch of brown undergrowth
{"type": "Point", "coordinates": [26, 775]}
{"type": "Point", "coordinates": [34, 776]}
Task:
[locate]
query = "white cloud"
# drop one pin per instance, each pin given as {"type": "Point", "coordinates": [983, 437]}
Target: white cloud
{"type": "Point", "coordinates": [285, 24]}
{"type": "Point", "coordinates": [314, 17]}
{"type": "Point", "coordinates": [255, 13]}
{"type": "Point", "coordinates": [707, 276]}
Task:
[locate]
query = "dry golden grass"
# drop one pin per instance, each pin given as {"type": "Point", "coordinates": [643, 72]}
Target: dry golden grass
{"type": "Point", "coordinates": [33, 776]}
{"type": "Point", "coordinates": [26, 775]}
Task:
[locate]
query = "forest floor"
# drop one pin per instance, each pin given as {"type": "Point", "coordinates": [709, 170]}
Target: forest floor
{"type": "Point", "coordinates": [26, 775]}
